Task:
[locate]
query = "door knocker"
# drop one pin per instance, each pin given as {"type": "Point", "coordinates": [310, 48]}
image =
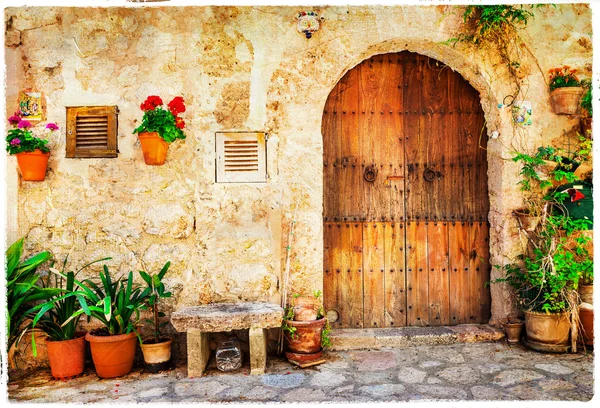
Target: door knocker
{"type": "Point", "coordinates": [429, 174]}
{"type": "Point", "coordinates": [370, 173]}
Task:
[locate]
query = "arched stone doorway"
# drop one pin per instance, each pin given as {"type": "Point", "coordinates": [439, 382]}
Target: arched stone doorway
{"type": "Point", "coordinates": [406, 237]}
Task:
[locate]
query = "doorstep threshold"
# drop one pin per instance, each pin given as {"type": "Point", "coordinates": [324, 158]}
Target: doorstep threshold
{"type": "Point", "coordinates": [376, 338]}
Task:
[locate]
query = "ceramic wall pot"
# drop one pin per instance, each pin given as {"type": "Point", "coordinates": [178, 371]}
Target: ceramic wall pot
{"type": "Point", "coordinates": [33, 165]}
{"type": "Point", "coordinates": [552, 329]}
{"type": "Point", "coordinates": [566, 100]}
{"type": "Point", "coordinates": [586, 316]}
{"type": "Point", "coordinates": [307, 338]}
{"type": "Point", "coordinates": [157, 356]}
{"type": "Point", "coordinates": [154, 148]}
{"type": "Point", "coordinates": [112, 355]}
{"type": "Point", "coordinates": [66, 357]}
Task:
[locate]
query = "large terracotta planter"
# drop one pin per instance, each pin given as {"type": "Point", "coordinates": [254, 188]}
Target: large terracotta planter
{"type": "Point", "coordinates": [66, 357]}
{"type": "Point", "coordinates": [33, 165]}
{"type": "Point", "coordinates": [112, 355]}
{"type": "Point", "coordinates": [157, 356]}
{"type": "Point", "coordinates": [307, 338]}
{"type": "Point", "coordinates": [566, 100]}
{"type": "Point", "coordinates": [551, 329]}
{"type": "Point", "coordinates": [154, 148]}
{"type": "Point", "coordinates": [586, 316]}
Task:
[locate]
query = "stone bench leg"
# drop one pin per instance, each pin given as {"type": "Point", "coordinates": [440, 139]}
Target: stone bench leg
{"type": "Point", "coordinates": [198, 352]}
{"type": "Point", "coordinates": [258, 351]}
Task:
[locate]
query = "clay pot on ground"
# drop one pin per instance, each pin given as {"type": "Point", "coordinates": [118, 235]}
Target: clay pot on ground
{"type": "Point", "coordinates": [157, 356]}
{"type": "Point", "coordinates": [307, 338]}
{"type": "Point", "coordinates": [586, 317]}
{"type": "Point", "coordinates": [66, 357]}
{"type": "Point", "coordinates": [548, 329]}
{"type": "Point", "coordinates": [33, 165]}
{"type": "Point", "coordinates": [112, 355]}
{"type": "Point", "coordinates": [305, 308]}
{"type": "Point", "coordinates": [586, 293]}
{"type": "Point", "coordinates": [526, 221]}
{"type": "Point", "coordinates": [513, 327]}
{"type": "Point", "coordinates": [566, 100]}
{"type": "Point", "coordinates": [154, 148]}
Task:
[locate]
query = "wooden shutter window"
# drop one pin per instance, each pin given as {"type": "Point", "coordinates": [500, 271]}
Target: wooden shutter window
{"type": "Point", "coordinates": [92, 131]}
{"type": "Point", "coordinates": [241, 157]}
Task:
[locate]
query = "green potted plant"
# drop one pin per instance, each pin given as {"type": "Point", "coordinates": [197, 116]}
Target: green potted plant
{"type": "Point", "coordinates": [306, 339]}
{"type": "Point", "coordinates": [160, 127]}
{"type": "Point", "coordinates": [23, 292]}
{"type": "Point", "coordinates": [565, 90]}
{"type": "Point", "coordinates": [65, 345]}
{"type": "Point", "coordinates": [31, 151]}
{"type": "Point", "coordinates": [156, 349]}
{"type": "Point", "coordinates": [117, 305]}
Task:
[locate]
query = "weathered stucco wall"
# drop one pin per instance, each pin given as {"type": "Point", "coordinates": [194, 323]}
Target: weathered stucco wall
{"type": "Point", "coordinates": [244, 68]}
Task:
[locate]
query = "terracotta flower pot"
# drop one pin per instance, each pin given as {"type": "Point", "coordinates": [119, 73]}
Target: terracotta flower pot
{"type": "Point", "coordinates": [513, 329]}
{"type": "Point", "coordinates": [586, 293]}
{"type": "Point", "coordinates": [586, 316]}
{"type": "Point", "coordinates": [112, 355]}
{"type": "Point", "coordinates": [33, 165]}
{"type": "Point", "coordinates": [66, 357]}
{"type": "Point", "coordinates": [157, 356]}
{"type": "Point", "coordinates": [154, 148]}
{"type": "Point", "coordinates": [305, 308]}
{"type": "Point", "coordinates": [307, 338]}
{"type": "Point", "coordinates": [552, 329]}
{"type": "Point", "coordinates": [565, 101]}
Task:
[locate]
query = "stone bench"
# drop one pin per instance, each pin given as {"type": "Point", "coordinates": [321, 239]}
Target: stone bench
{"type": "Point", "coordinates": [200, 321]}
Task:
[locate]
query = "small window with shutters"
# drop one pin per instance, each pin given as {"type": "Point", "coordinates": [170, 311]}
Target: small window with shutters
{"type": "Point", "coordinates": [241, 157]}
{"type": "Point", "coordinates": [92, 131]}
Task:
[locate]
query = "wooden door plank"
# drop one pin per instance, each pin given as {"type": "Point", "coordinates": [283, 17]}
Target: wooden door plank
{"type": "Point", "coordinates": [351, 280]}
{"type": "Point", "coordinates": [416, 274]}
{"type": "Point", "coordinates": [479, 272]}
{"type": "Point", "coordinates": [458, 240]}
{"type": "Point", "coordinates": [395, 275]}
{"type": "Point", "coordinates": [373, 276]}
{"type": "Point", "coordinates": [332, 257]}
{"type": "Point", "coordinates": [331, 152]}
{"type": "Point", "coordinates": [439, 285]}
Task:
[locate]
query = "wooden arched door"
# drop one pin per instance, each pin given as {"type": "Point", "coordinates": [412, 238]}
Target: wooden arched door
{"type": "Point", "coordinates": [406, 239]}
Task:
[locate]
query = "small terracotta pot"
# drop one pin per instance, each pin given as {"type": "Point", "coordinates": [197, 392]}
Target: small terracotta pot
{"type": "Point", "coordinates": [112, 355]}
{"type": "Point", "coordinates": [513, 329]}
{"type": "Point", "coordinates": [157, 356]}
{"type": "Point", "coordinates": [553, 328]}
{"type": "Point", "coordinates": [307, 338]}
{"type": "Point", "coordinates": [565, 101]}
{"type": "Point", "coordinates": [586, 316]}
{"type": "Point", "coordinates": [33, 165]}
{"type": "Point", "coordinates": [154, 148]}
{"type": "Point", "coordinates": [66, 357]}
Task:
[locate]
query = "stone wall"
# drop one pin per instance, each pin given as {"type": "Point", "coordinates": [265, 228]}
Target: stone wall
{"type": "Point", "coordinates": [244, 69]}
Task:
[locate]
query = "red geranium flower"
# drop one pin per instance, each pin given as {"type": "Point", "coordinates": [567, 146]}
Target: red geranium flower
{"type": "Point", "coordinates": [151, 103]}
{"type": "Point", "coordinates": [179, 123]}
{"type": "Point", "coordinates": [176, 106]}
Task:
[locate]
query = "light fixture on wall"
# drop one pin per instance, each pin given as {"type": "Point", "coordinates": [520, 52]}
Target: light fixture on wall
{"type": "Point", "coordinates": [308, 23]}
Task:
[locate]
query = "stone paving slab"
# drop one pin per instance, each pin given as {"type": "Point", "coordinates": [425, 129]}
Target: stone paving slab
{"type": "Point", "coordinates": [455, 372]}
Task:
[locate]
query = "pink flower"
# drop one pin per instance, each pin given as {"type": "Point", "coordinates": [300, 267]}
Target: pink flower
{"type": "Point", "coordinates": [14, 119]}
{"type": "Point", "coordinates": [15, 142]}
{"type": "Point", "coordinates": [24, 124]}
{"type": "Point", "coordinates": [52, 126]}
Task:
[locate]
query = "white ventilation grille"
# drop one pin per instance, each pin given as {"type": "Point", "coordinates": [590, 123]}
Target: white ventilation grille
{"type": "Point", "coordinates": [241, 157]}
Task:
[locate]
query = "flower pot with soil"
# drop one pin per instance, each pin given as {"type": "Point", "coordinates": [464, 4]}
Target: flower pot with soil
{"type": "Point", "coordinates": [159, 128]}
{"type": "Point", "coordinates": [156, 349]}
{"type": "Point", "coordinates": [565, 91]}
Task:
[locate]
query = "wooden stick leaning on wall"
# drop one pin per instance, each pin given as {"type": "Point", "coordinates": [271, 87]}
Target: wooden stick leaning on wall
{"type": "Point", "coordinates": [286, 276]}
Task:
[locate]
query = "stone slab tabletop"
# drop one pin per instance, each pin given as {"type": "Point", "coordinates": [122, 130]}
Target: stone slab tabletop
{"type": "Point", "coordinates": [219, 317]}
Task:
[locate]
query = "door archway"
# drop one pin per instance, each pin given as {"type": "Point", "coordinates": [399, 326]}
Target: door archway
{"type": "Point", "coordinates": [406, 237]}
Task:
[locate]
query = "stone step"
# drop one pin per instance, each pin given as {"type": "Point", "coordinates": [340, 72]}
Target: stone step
{"type": "Point", "coordinates": [356, 339]}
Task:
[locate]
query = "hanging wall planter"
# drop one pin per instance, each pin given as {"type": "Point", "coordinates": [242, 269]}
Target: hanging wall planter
{"type": "Point", "coordinates": [154, 148]}
{"type": "Point", "coordinates": [565, 101]}
{"type": "Point", "coordinates": [33, 165]}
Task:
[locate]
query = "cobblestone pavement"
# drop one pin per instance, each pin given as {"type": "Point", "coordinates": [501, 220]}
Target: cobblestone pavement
{"type": "Point", "coordinates": [468, 371]}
